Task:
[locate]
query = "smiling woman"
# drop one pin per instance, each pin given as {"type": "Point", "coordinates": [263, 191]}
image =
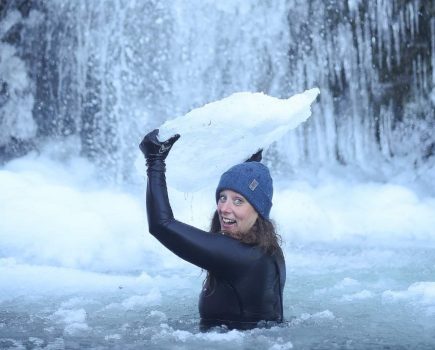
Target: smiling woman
{"type": "Point", "coordinates": [245, 265]}
{"type": "Point", "coordinates": [236, 215]}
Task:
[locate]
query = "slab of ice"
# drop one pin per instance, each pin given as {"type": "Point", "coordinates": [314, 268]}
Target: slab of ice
{"type": "Point", "coordinates": [226, 132]}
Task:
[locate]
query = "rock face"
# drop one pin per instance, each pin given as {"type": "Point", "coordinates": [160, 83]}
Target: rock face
{"type": "Point", "coordinates": [104, 72]}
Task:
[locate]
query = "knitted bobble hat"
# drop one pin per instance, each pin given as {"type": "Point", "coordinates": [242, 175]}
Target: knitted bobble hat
{"type": "Point", "coordinates": [253, 181]}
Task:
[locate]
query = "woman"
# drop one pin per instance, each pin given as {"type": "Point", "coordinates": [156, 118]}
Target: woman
{"type": "Point", "coordinates": [246, 268]}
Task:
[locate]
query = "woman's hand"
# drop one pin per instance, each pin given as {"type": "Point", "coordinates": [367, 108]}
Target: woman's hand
{"type": "Point", "coordinates": [256, 157]}
{"type": "Point", "coordinates": [154, 149]}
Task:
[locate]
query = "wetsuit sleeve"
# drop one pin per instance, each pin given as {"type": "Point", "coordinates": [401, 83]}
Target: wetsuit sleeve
{"type": "Point", "coordinates": [217, 253]}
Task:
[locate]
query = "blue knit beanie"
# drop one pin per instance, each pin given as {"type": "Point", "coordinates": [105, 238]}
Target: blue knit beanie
{"type": "Point", "coordinates": [253, 181]}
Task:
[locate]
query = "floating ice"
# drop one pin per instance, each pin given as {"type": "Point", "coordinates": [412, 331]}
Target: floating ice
{"type": "Point", "coordinates": [420, 293]}
{"type": "Point", "coordinates": [285, 346]}
{"type": "Point", "coordinates": [362, 295]}
{"type": "Point", "coordinates": [183, 336]}
{"type": "Point", "coordinates": [74, 320]}
{"type": "Point", "coordinates": [139, 301]}
{"type": "Point", "coordinates": [316, 317]}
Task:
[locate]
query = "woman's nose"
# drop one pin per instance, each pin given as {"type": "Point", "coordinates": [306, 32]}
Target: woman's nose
{"type": "Point", "coordinates": [225, 207]}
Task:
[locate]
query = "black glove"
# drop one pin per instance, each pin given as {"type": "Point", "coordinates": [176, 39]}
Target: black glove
{"type": "Point", "coordinates": [256, 157]}
{"type": "Point", "coordinates": [153, 149]}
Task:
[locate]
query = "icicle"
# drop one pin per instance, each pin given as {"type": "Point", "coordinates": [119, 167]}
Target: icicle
{"type": "Point", "coordinates": [413, 19]}
{"type": "Point", "coordinates": [386, 116]}
{"type": "Point", "coordinates": [417, 15]}
{"type": "Point", "coordinates": [379, 30]}
{"type": "Point", "coordinates": [432, 36]}
{"type": "Point", "coordinates": [396, 41]}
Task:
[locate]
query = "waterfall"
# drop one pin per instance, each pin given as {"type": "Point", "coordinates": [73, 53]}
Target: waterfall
{"type": "Point", "coordinates": [104, 72]}
{"type": "Point", "coordinates": [81, 81]}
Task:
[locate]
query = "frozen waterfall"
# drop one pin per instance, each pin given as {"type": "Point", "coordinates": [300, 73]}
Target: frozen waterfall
{"type": "Point", "coordinates": [103, 72]}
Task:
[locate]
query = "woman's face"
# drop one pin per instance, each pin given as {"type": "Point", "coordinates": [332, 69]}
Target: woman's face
{"type": "Point", "coordinates": [236, 214]}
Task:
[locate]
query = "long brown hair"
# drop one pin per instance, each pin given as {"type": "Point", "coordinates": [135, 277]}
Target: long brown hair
{"type": "Point", "coordinates": [262, 234]}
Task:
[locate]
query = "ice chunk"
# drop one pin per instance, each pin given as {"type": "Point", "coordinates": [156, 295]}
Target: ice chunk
{"type": "Point", "coordinates": [226, 132]}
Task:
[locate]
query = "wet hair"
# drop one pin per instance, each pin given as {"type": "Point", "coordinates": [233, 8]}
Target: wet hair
{"type": "Point", "coordinates": [262, 234]}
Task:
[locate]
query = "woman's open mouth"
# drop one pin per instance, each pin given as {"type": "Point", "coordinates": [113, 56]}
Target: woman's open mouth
{"type": "Point", "coordinates": [227, 223]}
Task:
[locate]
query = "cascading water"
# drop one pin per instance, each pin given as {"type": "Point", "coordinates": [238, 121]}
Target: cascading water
{"type": "Point", "coordinates": [81, 81]}
{"type": "Point", "coordinates": [104, 71]}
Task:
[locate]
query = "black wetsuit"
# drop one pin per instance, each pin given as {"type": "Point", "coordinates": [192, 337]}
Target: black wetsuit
{"type": "Point", "coordinates": [247, 284]}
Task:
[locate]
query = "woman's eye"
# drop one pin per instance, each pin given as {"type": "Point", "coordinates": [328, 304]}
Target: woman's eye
{"type": "Point", "coordinates": [222, 198]}
{"type": "Point", "coordinates": [238, 201]}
